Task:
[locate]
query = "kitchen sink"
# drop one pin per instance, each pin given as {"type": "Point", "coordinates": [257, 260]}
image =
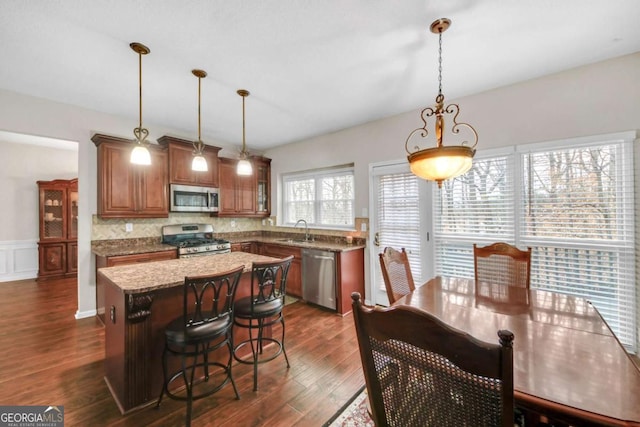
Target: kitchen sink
{"type": "Point", "coordinates": [294, 241]}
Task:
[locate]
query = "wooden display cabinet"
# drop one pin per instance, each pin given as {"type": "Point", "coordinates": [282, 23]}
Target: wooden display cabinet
{"type": "Point", "coordinates": [126, 190]}
{"type": "Point", "coordinates": [58, 218]}
{"type": "Point", "coordinates": [180, 158]}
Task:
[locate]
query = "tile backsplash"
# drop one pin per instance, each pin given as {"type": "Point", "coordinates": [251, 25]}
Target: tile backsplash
{"type": "Point", "coordinates": [109, 229]}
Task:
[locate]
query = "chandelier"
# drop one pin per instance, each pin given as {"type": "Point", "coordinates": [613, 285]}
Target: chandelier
{"type": "Point", "coordinates": [441, 162]}
{"type": "Point", "coordinates": [140, 153]}
{"type": "Point", "coordinates": [199, 163]}
{"type": "Point", "coordinates": [244, 165]}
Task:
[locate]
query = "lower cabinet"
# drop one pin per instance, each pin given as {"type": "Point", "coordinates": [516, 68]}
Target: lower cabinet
{"type": "Point", "coordinates": [249, 247]}
{"type": "Point", "coordinates": [113, 261]}
{"type": "Point", "coordinates": [57, 260]}
{"type": "Point", "coordinates": [294, 279]}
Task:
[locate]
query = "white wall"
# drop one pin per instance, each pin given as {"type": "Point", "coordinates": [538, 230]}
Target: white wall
{"type": "Point", "coordinates": [592, 100]}
{"type": "Point", "coordinates": [40, 117]}
{"type": "Point", "coordinates": [20, 167]}
{"type": "Point", "coordinates": [600, 98]}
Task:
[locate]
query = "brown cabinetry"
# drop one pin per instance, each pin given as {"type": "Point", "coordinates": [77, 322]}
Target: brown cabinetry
{"type": "Point", "coordinates": [249, 247]}
{"type": "Point", "coordinates": [126, 190]}
{"type": "Point", "coordinates": [180, 158]}
{"type": "Point", "coordinates": [245, 196]}
{"type": "Point", "coordinates": [58, 218]}
{"type": "Point", "coordinates": [117, 260]}
{"type": "Point", "coordinates": [294, 278]}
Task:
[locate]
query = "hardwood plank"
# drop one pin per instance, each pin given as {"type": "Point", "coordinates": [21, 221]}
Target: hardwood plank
{"type": "Point", "coordinates": [53, 359]}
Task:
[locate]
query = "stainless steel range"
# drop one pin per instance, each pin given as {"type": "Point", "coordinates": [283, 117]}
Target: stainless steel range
{"type": "Point", "coordinates": [194, 240]}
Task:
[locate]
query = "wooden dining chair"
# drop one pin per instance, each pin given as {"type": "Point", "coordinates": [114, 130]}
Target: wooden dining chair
{"type": "Point", "coordinates": [396, 273]}
{"type": "Point", "coordinates": [502, 264]}
{"type": "Point", "coordinates": [420, 371]}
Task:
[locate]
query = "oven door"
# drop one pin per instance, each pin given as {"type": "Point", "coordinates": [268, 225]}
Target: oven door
{"type": "Point", "coordinates": [190, 198]}
{"type": "Point", "coordinates": [206, 253]}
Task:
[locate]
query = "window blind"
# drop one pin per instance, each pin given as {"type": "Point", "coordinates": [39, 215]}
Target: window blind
{"type": "Point", "coordinates": [572, 202]}
{"type": "Point", "coordinates": [398, 219]}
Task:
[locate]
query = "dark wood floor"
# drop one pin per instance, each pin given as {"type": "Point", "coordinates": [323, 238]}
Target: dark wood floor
{"type": "Point", "coordinates": [50, 358]}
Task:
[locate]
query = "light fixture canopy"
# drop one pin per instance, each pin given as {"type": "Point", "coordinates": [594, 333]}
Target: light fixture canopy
{"type": "Point", "coordinates": [140, 154]}
{"type": "Point", "coordinates": [199, 163]}
{"type": "Point", "coordinates": [441, 162]}
{"type": "Point", "coordinates": [244, 165]}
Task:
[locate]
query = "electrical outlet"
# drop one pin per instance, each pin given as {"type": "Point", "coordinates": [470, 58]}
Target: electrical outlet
{"type": "Point", "coordinates": [264, 222]}
{"type": "Point", "coordinates": [128, 227]}
{"type": "Point", "coordinates": [363, 226]}
{"type": "Point", "coordinates": [233, 224]}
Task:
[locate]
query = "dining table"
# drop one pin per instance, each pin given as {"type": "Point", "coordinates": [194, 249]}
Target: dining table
{"type": "Point", "coordinates": [569, 366]}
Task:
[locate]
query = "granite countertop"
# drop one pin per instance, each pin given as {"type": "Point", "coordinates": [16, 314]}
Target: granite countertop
{"type": "Point", "coordinates": [132, 249]}
{"type": "Point", "coordinates": [331, 246]}
{"type": "Point", "coordinates": [151, 276]}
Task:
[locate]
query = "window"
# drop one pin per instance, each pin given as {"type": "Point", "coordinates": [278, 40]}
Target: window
{"type": "Point", "coordinates": [570, 201]}
{"type": "Point", "coordinates": [324, 198]}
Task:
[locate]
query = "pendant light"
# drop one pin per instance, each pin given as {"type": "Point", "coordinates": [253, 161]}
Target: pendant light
{"type": "Point", "coordinates": [244, 165]}
{"type": "Point", "coordinates": [441, 162]}
{"type": "Point", "coordinates": [199, 163]}
{"type": "Point", "coordinates": [140, 153]}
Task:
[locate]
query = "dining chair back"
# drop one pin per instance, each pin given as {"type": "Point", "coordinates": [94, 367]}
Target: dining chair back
{"type": "Point", "coordinates": [396, 273]}
{"type": "Point", "coordinates": [502, 264]}
{"type": "Point", "coordinates": [421, 372]}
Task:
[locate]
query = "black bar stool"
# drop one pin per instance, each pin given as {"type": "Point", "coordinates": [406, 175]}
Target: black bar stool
{"type": "Point", "coordinates": [263, 309]}
{"type": "Point", "coordinates": [205, 326]}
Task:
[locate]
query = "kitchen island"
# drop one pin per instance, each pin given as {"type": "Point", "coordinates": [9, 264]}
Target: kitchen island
{"type": "Point", "coordinates": [140, 300]}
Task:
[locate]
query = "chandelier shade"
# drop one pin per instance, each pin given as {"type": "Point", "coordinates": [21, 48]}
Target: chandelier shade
{"type": "Point", "coordinates": [244, 167]}
{"type": "Point", "coordinates": [140, 154]}
{"type": "Point", "coordinates": [441, 162]}
{"type": "Point", "coordinates": [199, 163]}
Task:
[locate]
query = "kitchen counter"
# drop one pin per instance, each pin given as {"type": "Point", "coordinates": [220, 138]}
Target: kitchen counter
{"type": "Point", "coordinates": [119, 247]}
{"type": "Point", "coordinates": [151, 276]}
{"type": "Point", "coordinates": [140, 300]}
{"type": "Point", "coordinates": [332, 246]}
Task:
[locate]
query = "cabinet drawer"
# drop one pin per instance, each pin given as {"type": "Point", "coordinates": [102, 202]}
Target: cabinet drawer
{"type": "Point", "coordinates": [278, 251]}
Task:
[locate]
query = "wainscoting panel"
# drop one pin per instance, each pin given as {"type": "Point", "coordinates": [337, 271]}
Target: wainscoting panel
{"type": "Point", "coordinates": [18, 260]}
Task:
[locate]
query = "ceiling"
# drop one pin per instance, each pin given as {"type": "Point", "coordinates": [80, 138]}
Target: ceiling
{"type": "Point", "coordinates": [312, 67]}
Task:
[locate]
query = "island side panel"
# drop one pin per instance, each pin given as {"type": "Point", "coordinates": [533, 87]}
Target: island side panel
{"type": "Point", "coordinates": [114, 341]}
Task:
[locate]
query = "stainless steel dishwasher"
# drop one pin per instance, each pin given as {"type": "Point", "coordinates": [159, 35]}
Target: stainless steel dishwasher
{"type": "Point", "coordinates": [319, 277]}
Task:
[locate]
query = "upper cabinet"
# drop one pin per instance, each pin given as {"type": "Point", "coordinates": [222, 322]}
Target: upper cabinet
{"type": "Point", "coordinates": [126, 190]}
{"type": "Point", "coordinates": [180, 158]}
{"type": "Point", "coordinates": [245, 196]}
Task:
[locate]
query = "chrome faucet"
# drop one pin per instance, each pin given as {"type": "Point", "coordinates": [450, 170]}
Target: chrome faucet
{"type": "Point", "coordinates": [306, 229]}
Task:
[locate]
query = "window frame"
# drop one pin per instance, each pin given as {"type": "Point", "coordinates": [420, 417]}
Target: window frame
{"type": "Point", "coordinates": [317, 175]}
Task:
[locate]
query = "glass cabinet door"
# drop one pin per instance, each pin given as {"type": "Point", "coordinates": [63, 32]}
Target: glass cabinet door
{"type": "Point", "coordinates": [73, 214]}
{"type": "Point", "coordinates": [53, 214]}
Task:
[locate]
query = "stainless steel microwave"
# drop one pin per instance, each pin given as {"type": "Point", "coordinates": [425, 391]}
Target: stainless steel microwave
{"type": "Point", "coordinates": [191, 198]}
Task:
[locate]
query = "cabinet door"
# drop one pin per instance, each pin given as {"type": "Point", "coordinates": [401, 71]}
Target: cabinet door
{"type": "Point", "coordinates": [72, 257]}
{"type": "Point", "coordinates": [294, 278]}
{"type": "Point", "coordinates": [227, 188]}
{"type": "Point", "coordinates": [53, 211]}
{"type": "Point", "coordinates": [53, 259]}
{"type": "Point", "coordinates": [245, 195]}
{"type": "Point", "coordinates": [72, 211]}
{"type": "Point", "coordinates": [153, 199]}
{"type": "Point", "coordinates": [116, 181]}
{"type": "Point", "coordinates": [263, 185]}
{"type": "Point", "coordinates": [181, 157]}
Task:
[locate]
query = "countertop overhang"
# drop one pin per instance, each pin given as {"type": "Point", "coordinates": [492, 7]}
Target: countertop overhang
{"type": "Point", "coordinates": [151, 276]}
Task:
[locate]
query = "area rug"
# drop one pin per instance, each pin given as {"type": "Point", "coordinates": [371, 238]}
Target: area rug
{"type": "Point", "coordinates": [353, 414]}
{"type": "Point", "coordinates": [289, 300]}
